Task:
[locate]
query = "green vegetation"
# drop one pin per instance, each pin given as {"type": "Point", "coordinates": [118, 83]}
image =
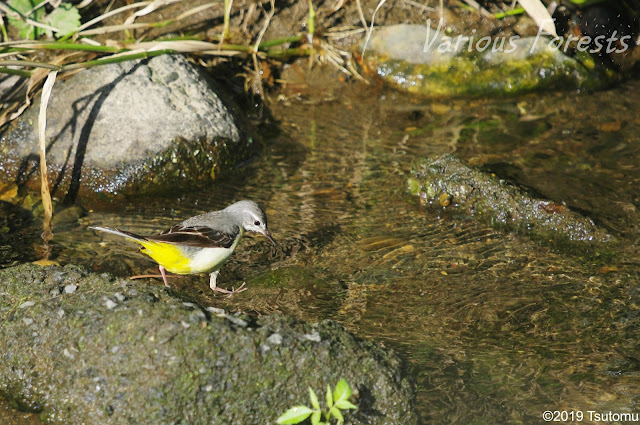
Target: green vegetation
{"type": "Point", "coordinates": [31, 20]}
{"type": "Point", "coordinates": [336, 401]}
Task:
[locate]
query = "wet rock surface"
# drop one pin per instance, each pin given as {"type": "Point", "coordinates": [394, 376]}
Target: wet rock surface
{"type": "Point", "coordinates": [16, 238]}
{"type": "Point", "coordinates": [132, 127]}
{"type": "Point", "coordinates": [425, 61]}
{"type": "Point", "coordinates": [446, 181]}
{"type": "Point", "coordinates": [84, 348]}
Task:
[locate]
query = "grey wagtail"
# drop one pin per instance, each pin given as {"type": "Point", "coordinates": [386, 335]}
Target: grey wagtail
{"type": "Point", "coordinates": [201, 244]}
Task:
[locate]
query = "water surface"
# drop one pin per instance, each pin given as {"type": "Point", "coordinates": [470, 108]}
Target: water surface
{"type": "Point", "coordinates": [495, 327]}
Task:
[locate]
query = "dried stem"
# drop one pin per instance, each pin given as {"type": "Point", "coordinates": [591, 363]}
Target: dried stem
{"type": "Point", "coordinates": [47, 235]}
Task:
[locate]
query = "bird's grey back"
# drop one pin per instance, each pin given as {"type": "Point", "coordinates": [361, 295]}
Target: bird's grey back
{"type": "Point", "coordinates": [219, 220]}
{"type": "Point", "coordinates": [228, 219]}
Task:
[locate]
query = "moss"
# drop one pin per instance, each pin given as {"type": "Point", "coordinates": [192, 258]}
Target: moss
{"type": "Point", "coordinates": [471, 73]}
{"type": "Point", "coordinates": [155, 358]}
{"type": "Point", "coordinates": [414, 186]}
{"type": "Point", "coordinates": [504, 206]}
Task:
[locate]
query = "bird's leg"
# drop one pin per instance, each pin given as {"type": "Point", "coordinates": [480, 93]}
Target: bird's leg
{"type": "Point", "coordinates": [212, 284]}
{"type": "Point", "coordinates": [212, 281]}
{"type": "Point", "coordinates": [164, 276]}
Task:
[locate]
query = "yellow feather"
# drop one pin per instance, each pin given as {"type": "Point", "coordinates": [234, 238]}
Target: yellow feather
{"type": "Point", "coordinates": [168, 256]}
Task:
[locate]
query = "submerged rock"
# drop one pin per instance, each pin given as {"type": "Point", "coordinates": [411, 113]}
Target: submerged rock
{"type": "Point", "coordinates": [424, 61]}
{"type": "Point", "coordinates": [446, 181]}
{"type": "Point", "coordinates": [132, 127]}
{"type": "Point", "coordinates": [114, 351]}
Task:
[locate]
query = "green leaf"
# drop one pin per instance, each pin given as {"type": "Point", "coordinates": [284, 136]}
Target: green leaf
{"type": "Point", "coordinates": [295, 415]}
{"type": "Point", "coordinates": [343, 391]}
{"type": "Point", "coordinates": [27, 31]}
{"type": "Point", "coordinates": [65, 17]}
{"type": "Point", "coordinates": [337, 414]}
{"type": "Point", "coordinates": [344, 404]}
{"type": "Point", "coordinates": [315, 417]}
{"type": "Point", "coordinates": [329, 398]}
{"type": "Point", "coordinates": [314, 399]}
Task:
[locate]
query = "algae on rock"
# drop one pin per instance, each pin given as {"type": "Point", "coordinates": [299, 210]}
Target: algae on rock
{"type": "Point", "coordinates": [85, 348]}
{"type": "Point", "coordinates": [447, 181]}
{"type": "Point", "coordinates": [423, 61]}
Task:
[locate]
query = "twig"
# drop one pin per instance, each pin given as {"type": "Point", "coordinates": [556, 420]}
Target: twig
{"type": "Point", "coordinates": [254, 54]}
{"type": "Point", "coordinates": [47, 235]}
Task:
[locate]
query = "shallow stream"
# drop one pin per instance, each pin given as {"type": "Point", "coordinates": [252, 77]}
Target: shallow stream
{"type": "Point", "coordinates": [495, 327]}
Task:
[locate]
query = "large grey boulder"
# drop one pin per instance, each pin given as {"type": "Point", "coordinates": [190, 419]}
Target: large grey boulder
{"type": "Point", "coordinates": [87, 349]}
{"type": "Point", "coordinates": [129, 127]}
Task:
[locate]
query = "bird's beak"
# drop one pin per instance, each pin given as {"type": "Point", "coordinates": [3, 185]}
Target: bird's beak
{"type": "Point", "coordinates": [268, 235]}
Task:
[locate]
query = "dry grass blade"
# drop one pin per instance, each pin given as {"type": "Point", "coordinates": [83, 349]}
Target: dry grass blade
{"type": "Point", "coordinates": [29, 64]}
{"type": "Point", "coordinates": [256, 65]}
{"type": "Point", "coordinates": [363, 21]}
{"type": "Point", "coordinates": [157, 4]}
{"type": "Point", "coordinates": [181, 46]}
{"type": "Point", "coordinates": [540, 15]}
{"type": "Point", "coordinates": [195, 10]}
{"type": "Point", "coordinates": [342, 32]}
{"type": "Point", "coordinates": [84, 3]}
{"type": "Point", "coordinates": [420, 6]}
{"type": "Point", "coordinates": [477, 6]}
{"type": "Point", "coordinates": [130, 25]}
{"type": "Point", "coordinates": [114, 28]}
{"type": "Point", "coordinates": [227, 19]}
{"type": "Point", "coordinates": [370, 29]}
{"type": "Point", "coordinates": [111, 13]}
{"type": "Point", "coordinates": [44, 185]}
{"type": "Point", "coordinates": [36, 7]}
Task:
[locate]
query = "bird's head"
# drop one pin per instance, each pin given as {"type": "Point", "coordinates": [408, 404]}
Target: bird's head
{"type": "Point", "coordinates": [253, 218]}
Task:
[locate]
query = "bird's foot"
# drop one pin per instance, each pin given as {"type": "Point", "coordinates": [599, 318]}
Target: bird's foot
{"type": "Point", "coordinates": [233, 290]}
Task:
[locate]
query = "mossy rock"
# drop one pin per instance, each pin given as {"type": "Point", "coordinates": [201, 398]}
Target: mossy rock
{"type": "Point", "coordinates": [423, 61]}
{"type": "Point", "coordinates": [448, 182]}
{"type": "Point", "coordinates": [86, 348]}
{"type": "Point", "coordinates": [149, 126]}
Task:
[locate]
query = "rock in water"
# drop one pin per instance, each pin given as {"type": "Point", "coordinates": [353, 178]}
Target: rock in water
{"type": "Point", "coordinates": [132, 127]}
{"type": "Point", "coordinates": [486, 197]}
{"type": "Point", "coordinates": [423, 60]}
{"type": "Point", "coordinates": [114, 352]}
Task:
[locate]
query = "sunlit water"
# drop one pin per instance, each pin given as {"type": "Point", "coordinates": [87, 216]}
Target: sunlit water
{"type": "Point", "coordinates": [495, 328]}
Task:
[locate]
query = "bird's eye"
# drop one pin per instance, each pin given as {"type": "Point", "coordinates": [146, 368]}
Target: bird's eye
{"type": "Point", "coordinates": [257, 222]}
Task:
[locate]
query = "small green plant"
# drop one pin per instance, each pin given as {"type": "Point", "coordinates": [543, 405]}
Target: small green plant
{"type": "Point", "coordinates": [336, 401]}
{"type": "Point", "coordinates": [65, 18]}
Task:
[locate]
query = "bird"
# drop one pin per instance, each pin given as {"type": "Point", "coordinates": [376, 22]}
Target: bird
{"type": "Point", "coordinates": [201, 244]}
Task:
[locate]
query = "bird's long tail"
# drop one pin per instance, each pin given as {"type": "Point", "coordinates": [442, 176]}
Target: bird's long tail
{"type": "Point", "coordinates": [128, 235]}
{"type": "Point", "coordinates": [166, 254]}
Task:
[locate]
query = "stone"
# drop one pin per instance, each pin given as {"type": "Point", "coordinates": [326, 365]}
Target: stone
{"type": "Point", "coordinates": [139, 363]}
{"type": "Point", "coordinates": [132, 127]}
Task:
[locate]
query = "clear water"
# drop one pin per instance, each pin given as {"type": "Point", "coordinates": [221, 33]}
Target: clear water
{"type": "Point", "coordinates": [494, 327]}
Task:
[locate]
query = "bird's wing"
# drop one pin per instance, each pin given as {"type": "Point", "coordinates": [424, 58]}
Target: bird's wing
{"type": "Point", "coordinates": [198, 236]}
